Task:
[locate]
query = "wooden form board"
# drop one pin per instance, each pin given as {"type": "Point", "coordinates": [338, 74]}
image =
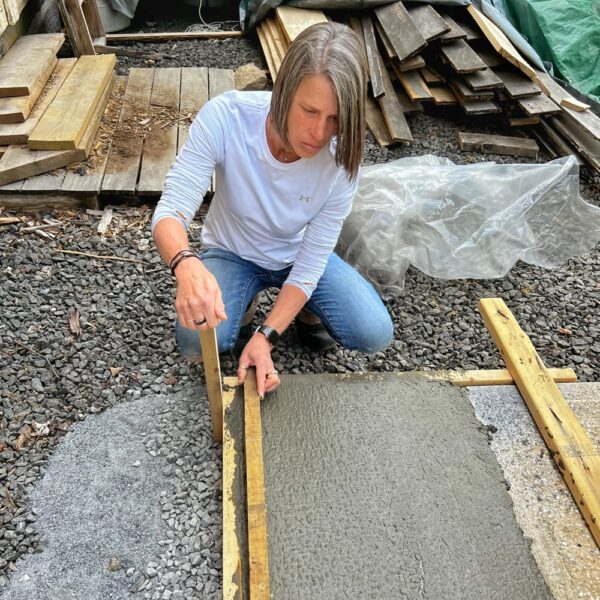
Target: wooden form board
{"type": "Point", "coordinates": [258, 550]}
{"type": "Point", "coordinates": [212, 374]}
{"type": "Point", "coordinates": [427, 20]}
{"type": "Point", "coordinates": [400, 29]}
{"type": "Point", "coordinates": [65, 121]}
{"type": "Point", "coordinates": [16, 109]}
{"type": "Point", "coordinates": [294, 21]}
{"type": "Point", "coordinates": [26, 63]}
{"type": "Point", "coordinates": [497, 144]}
{"type": "Point", "coordinates": [575, 455]}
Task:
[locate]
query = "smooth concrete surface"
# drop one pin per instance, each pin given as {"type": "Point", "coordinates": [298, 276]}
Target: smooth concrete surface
{"type": "Point", "coordinates": [562, 545]}
{"type": "Point", "coordinates": [385, 487]}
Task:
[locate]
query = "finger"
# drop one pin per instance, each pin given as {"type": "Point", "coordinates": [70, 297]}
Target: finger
{"type": "Point", "coordinates": [220, 308]}
{"type": "Point", "coordinates": [272, 382]}
{"type": "Point", "coordinates": [261, 380]}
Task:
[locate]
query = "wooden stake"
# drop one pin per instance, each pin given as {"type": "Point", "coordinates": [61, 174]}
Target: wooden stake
{"type": "Point", "coordinates": [573, 451]}
{"type": "Point", "coordinates": [258, 551]}
{"type": "Point", "coordinates": [212, 372]}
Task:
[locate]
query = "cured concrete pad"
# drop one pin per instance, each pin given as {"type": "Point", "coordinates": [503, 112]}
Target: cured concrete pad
{"type": "Point", "coordinates": [381, 486]}
{"type": "Point", "coordinates": [545, 510]}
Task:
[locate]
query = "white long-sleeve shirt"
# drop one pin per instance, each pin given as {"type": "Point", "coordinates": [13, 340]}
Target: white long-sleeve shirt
{"type": "Point", "coordinates": [265, 211]}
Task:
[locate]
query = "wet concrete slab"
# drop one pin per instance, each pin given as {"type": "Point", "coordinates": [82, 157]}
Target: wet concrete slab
{"type": "Point", "coordinates": [384, 487]}
{"type": "Point", "coordinates": [562, 545]}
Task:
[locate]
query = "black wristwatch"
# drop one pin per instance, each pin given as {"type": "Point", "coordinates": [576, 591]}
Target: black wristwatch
{"type": "Point", "coordinates": [270, 333]}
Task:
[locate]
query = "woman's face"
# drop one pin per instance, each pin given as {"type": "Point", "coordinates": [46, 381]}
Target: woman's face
{"type": "Point", "coordinates": [312, 119]}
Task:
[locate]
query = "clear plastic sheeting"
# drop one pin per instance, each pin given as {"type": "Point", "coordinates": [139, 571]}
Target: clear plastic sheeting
{"type": "Point", "coordinates": [465, 221]}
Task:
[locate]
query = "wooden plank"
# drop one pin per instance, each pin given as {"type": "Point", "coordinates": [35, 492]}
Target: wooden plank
{"type": "Point", "coordinates": [373, 59]}
{"type": "Point", "coordinates": [487, 54]}
{"type": "Point", "coordinates": [585, 144]}
{"type": "Point", "coordinates": [13, 9]}
{"type": "Point", "coordinates": [500, 42]}
{"type": "Point", "coordinates": [407, 105]}
{"type": "Point", "coordinates": [121, 172]}
{"type": "Point", "coordinates": [587, 119]}
{"type": "Point", "coordinates": [194, 94]}
{"type": "Point", "coordinates": [258, 550]}
{"type": "Point", "coordinates": [212, 374]}
{"type": "Point", "coordinates": [483, 80]}
{"type": "Point", "coordinates": [219, 81]}
{"type": "Point", "coordinates": [462, 58]}
{"type": "Point", "coordinates": [173, 36]}
{"type": "Point", "coordinates": [273, 50]}
{"type": "Point", "coordinates": [16, 109]}
{"type": "Point", "coordinates": [466, 23]}
{"type": "Point", "coordinates": [574, 104]}
{"type": "Point", "coordinates": [392, 111]}
{"type": "Point", "coordinates": [497, 144]}
{"type": "Point", "coordinates": [93, 19]}
{"type": "Point", "coordinates": [574, 453]}
{"type": "Point", "coordinates": [160, 144]}
{"type": "Point", "coordinates": [266, 51]}
{"type": "Point", "coordinates": [36, 202]}
{"type": "Point", "coordinates": [491, 376]}
{"type": "Point", "coordinates": [516, 84]}
{"type": "Point", "coordinates": [456, 33]}
{"type": "Point", "coordinates": [232, 551]}
{"type": "Point", "coordinates": [556, 141]}
{"type": "Point", "coordinates": [389, 49]}
{"type": "Point", "coordinates": [427, 20]}
{"type": "Point", "coordinates": [18, 133]}
{"type": "Point", "coordinates": [431, 77]}
{"type": "Point", "coordinates": [539, 105]}
{"type": "Point", "coordinates": [443, 96]}
{"type": "Point", "coordinates": [376, 123]}
{"type": "Point", "coordinates": [65, 121]}
{"type": "Point", "coordinates": [87, 176]}
{"type": "Point", "coordinates": [27, 62]}
{"type": "Point", "coordinates": [463, 91]}
{"type": "Point", "coordinates": [522, 121]}
{"type": "Point", "coordinates": [278, 37]}
{"type": "Point", "coordinates": [479, 107]}
{"type": "Point", "coordinates": [294, 21]}
{"type": "Point", "coordinates": [414, 85]}
{"type": "Point", "coordinates": [46, 182]}
{"type": "Point", "coordinates": [400, 29]}
{"type": "Point", "coordinates": [412, 63]}
{"type": "Point", "coordinates": [77, 27]}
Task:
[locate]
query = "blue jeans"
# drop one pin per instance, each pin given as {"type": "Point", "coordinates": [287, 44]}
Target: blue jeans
{"type": "Point", "coordinates": [346, 303]}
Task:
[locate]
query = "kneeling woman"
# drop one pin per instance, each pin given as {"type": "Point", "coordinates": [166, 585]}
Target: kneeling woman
{"type": "Point", "coordinates": [287, 166]}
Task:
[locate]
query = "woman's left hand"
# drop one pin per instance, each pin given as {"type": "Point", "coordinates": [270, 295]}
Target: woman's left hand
{"type": "Point", "coordinates": [257, 353]}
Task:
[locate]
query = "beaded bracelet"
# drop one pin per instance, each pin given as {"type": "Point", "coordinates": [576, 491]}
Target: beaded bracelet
{"type": "Point", "coordinates": [181, 255]}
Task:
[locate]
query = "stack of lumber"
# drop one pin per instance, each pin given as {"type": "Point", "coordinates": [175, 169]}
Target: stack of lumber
{"type": "Point", "coordinates": [421, 56]}
{"type": "Point", "coordinates": [10, 11]}
{"type": "Point", "coordinates": [54, 120]}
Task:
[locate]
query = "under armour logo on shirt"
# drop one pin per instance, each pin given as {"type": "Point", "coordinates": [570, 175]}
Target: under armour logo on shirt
{"type": "Point", "coordinates": [304, 199]}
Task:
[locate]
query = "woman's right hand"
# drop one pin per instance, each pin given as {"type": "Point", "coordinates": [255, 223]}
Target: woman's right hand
{"type": "Point", "coordinates": [198, 296]}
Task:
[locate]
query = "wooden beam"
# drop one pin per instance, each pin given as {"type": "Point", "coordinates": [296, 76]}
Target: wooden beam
{"type": "Point", "coordinates": [585, 144]}
{"type": "Point", "coordinates": [373, 59]}
{"type": "Point", "coordinates": [258, 550]}
{"type": "Point", "coordinates": [35, 202]}
{"type": "Point", "coordinates": [77, 27]}
{"type": "Point", "coordinates": [27, 62]}
{"type": "Point", "coordinates": [400, 29]}
{"type": "Point", "coordinates": [65, 121]}
{"type": "Point", "coordinates": [212, 373]}
{"type": "Point", "coordinates": [575, 455]}
{"type": "Point", "coordinates": [497, 144]}
{"type": "Point", "coordinates": [18, 133]}
{"type": "Point", "coordinates": [93, 19]}
{"type": "Point", "coordinates": [376, 123]}
{"type": "Point", "coordinates": [173, 36]}
{"type": "Point", "coordinates": [232, 551]}
{"type": "Point", "coordinates": [491, 376]}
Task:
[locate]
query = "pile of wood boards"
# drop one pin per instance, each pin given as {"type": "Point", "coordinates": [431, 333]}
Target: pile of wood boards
{"type": "Point", "coordinates": [420, 56]}
{"type": "Point", "coordinates": [50, 109]}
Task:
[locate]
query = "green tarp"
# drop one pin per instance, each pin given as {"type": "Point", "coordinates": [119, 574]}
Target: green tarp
{"type": "Point", "coordinates": [565, 33]}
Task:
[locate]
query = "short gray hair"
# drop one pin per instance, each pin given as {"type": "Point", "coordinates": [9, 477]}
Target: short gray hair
{"type": "Point", "coordinates": [333, 50]}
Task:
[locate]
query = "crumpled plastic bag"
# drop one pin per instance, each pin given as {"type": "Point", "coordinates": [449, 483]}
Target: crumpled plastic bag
{"type": "Point", "coordinates": [465, 221]}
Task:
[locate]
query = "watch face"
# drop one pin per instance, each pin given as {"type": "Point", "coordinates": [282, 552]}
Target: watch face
{"type": "Point", "coordinates": [270, 333]}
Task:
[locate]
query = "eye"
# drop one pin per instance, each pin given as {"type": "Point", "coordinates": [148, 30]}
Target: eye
{"type": "Point", "coordinates": [309, 111]}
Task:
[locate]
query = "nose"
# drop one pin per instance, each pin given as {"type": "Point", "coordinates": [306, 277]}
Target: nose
{"type": "Point", "coordinates": [322, 130]}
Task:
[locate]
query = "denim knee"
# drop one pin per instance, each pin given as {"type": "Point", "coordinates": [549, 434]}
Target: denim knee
{"type": "Point", "coordinates": [374, 335]}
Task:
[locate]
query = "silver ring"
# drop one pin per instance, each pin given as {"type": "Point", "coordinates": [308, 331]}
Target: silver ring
{"type": "Point", "coordinates": [200, 322]}
{"type": "Point", "coordinates": [245, 368]}
{"type": "Point", "coordinates": [273, 372]}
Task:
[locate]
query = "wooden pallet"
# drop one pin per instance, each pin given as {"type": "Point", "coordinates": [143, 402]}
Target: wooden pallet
{"type": "Point", "coordinates": [142, 130]}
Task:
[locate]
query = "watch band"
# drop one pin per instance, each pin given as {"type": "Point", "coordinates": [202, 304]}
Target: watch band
{"type": "Point", "coordinates": [269, 332]}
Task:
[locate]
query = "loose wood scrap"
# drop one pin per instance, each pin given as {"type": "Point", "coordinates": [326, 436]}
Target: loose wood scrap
{"type": "Point", "coordinates": [574, 104]}
{"type": "Point", "coordinates": [65, 121]}
{"type": "Point", "coordinates": [414, 85]}
{"type": "Point", "coordinates": [26, 63]}
{"type": "Point", "coordinates": [516, 84]}
{"type": "Point", "coordinates": [559, 145]}
{"type": "Point", "coordinates": [412, 63]}
{"type": "Point", "coordinates": [400, 29]}
{"type": "Point", "coordinates": [389, 49]}
{"type": "Point", "coordinates": [376, 123]}
{"type": "Point", "coordinates": [538, 105]}
{"type": "Point", "coordinates": [373, 59]}
{"type": "Point", "coordinates": [121, 172]}
{"type": "Point", "coordinates": [294, 21]}
{"type": "Point", "coordinates": [173, 36]}
{"type": "Point", "coordinates": [443, 95]}
{"type": "Point", "coordinates": [584, 143]}
{"type": "Point", "coordinates": [76, 26]}
{"type": "Point", "coordinates": [483, 80]}
{"type": "Point", "coordinates": [455, 32]}
{"type": "Point", "coordinates": [574, 453]}
{"type": "Point", "coordinates": [497, 144]}
{"type": "Point", "coordinates": [427, 20]}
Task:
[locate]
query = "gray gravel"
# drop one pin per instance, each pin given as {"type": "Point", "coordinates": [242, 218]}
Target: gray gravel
{"type": "Point", "coordinates": [53, 377]}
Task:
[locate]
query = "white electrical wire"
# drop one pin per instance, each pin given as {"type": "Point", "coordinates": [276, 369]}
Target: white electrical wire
{"type": "Point", "coordinates": [212, 26]}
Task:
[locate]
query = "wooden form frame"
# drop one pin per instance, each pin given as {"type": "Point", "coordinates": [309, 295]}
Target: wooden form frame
{"type": "Point", "coordinates": [212, 372]}
{"type": "Point", "coordinates": [576, 457]}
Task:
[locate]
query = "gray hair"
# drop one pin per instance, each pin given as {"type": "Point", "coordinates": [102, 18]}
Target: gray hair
{"type": "Point", "coordinates": [333, 50]}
